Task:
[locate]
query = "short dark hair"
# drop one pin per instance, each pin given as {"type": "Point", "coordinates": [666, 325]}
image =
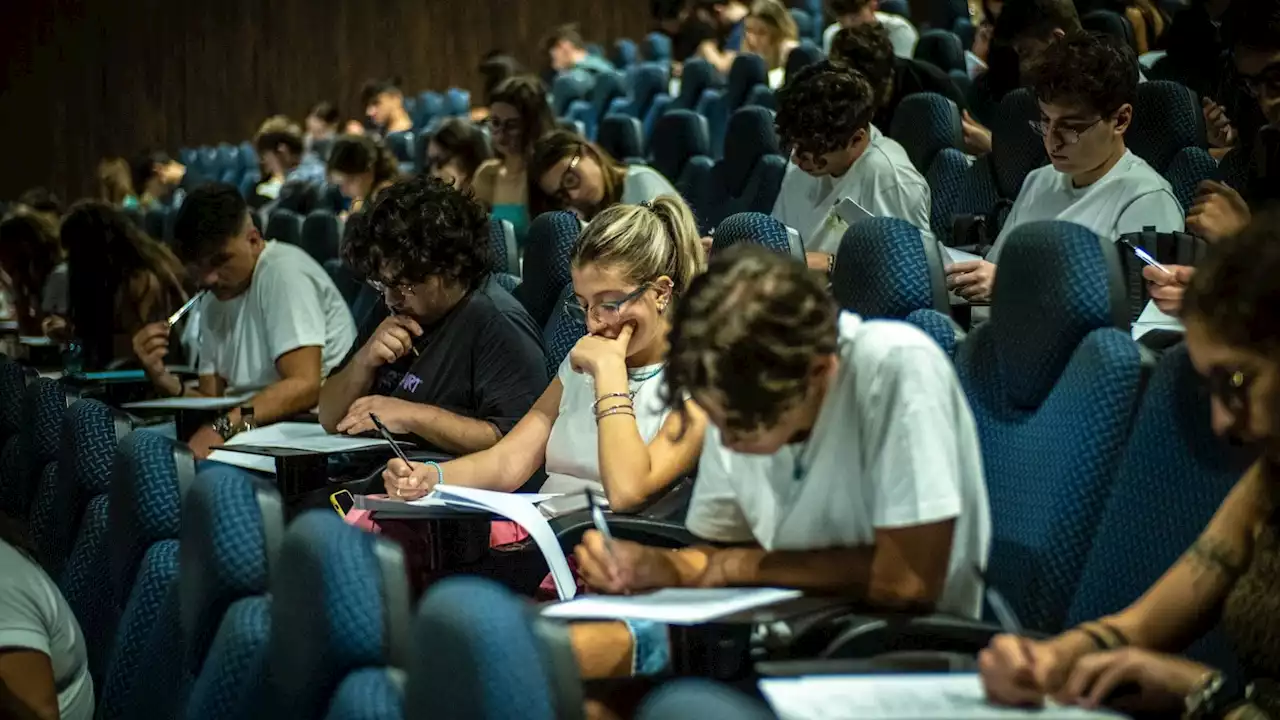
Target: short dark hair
{"type": "Point", "coordinates": [1035, 18]}
{"type": "Point", "coordinates": [276, 131]}
{"type": "Point", "coordinates": [847, 7]}
{"type": "Point", "coordinates": [528, 95]}
{"type": "Point", "coordinates": [210, 216]}
{"type": "Point", "coordinates": [748, 330]}
{"type": "Point", "coordinates": [420, 228]}
{"type": "Point", "coordinates": [822, 107]}
{"type": "Point", "coordinates": [1234, 291]}
{"type": "Point", "coordinates": [326, 112]}
{"type": "Point", "coordinates": [357, 154]}
{"type": "Point", "coordinates": [463, 141]}
{"type": "Point", "coordinates": [565, 33]}
{"type": "Point", "coordinates": [41, 199]}
{"type": "Point", "coordinates": [867, 49]}
{"type": "Point", "coordinates": [1089, 70]}
{"type": "Point", "coordinates": [375, 87]}
{"type": "Point", "coordinates": [1253, 25]}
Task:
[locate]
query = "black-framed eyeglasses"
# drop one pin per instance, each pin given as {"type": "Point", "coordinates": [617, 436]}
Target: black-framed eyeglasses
{"type": "Point", "coordinates": [399, 289]}
{"type": "Point", "coordinates": [570, 180]}
{"type": "Point", "coordinates": [605, 312]}
{"type": "Point", "coordinates": [1068, 135]}
{"type": "Point", "coordinates": [510, 126]}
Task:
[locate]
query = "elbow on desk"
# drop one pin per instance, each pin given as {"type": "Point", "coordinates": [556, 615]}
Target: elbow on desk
{"type": "Point", "coordinates": [905, 592]}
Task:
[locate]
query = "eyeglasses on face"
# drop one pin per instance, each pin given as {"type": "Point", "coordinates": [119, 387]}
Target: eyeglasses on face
{"type": "Point", "coordinates": [509, 126]}
{"type": "Point", "coordinates": [571, 180]}
{"type": "Point", "coordinates": [1067, 134]}
{"type": "Point", "coordinates": [605, 312]}
{"type": "Point", "coordinates": [399, 289]}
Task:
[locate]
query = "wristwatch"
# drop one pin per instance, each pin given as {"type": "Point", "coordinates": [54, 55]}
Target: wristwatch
{"type": "Point", "coordinates": [227, 430]}
{"type": "Point", "coordinates": [1213, 697]}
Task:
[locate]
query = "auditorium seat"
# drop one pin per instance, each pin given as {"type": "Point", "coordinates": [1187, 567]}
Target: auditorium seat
{"type": "Point", "coordinates": [321, 147]}
{"type": "Point", "coordinates": [1234, 170]}
{"type": "Point", "coordinates": [678, 136]}
{"type": "Point", "coordinates": [592, 109]}
{"type": "Point", "coordinates": [285, 226]}
{"type": "Point", "coordinates": [696, 78]}
{"type": "Point", "coordinates": [804, 22]}
{"type": "Point", "coordinates": [646, 96]}
{"type": "Point", "coordinates": [348, 284]}
{"type": "Point", "coordinates": [429, 108]}
{"type": "Point", "coordinates": [321, 235]}
{"type": "Point", "coordinates": [401, 146]}
{"type": "Point", "coordinates": [502, 245]}
{"type": "Point", "coordinates": [482, 653]}
{"type": "Point", "coordinates": [700, 699]}
{"type": "Point", "coordinates": [925, 124]}
{"type": "Point", "coordinates": [1111, 24]}
{"type": "Point", "coordinates": [147, 675]}
{"type": "Point", "coordinates": [232, 525]}
{"type": "Point", "coordinates": [622, 136]}
{"type": "Point", "coordinates": [339, 605]}
{"type": "Point", "coordinates": [1016, 149]}
{"type": "Point", "coordinates": [44, 406]}
{"type": "Point", "coordinates": [817, 11]}
{"type": "Point", "coordinates": [1190, 167]}
{"type": "Point", "coordinates": [718, 107]}
{"type": "Point", "coordinates": [368, 694]}
{"type": "Point", "coordinates": [886, 268]}
{"type": "Point", "coordinates": [156, 220]}
{"type": "Point", "coordinates": [757, 228]}
{"type": "Point", "coordinates": [458, 102]}
{"type": "Point", "coordinates": [546, 262]}
{"type": "Point", "coordinates": [959, 187]}
{"type": "Point", "coordinates": [91, 432]}
{"type": "Point", "coordinates": [896, 7]}
{"type": "Point", "coordinates": [561, 332]}
{"type": "Point", "coordinates": [229, 158]}
{"type": "Point", "coordinates": [1166, 118]}
{"type": "Point", "coordinates": [747, 179]}
{"type": "Point", "coordinates": [625, 53]}
{"type": "Point", "coordinates": [33, 441]}
{"type": "Point", "coordinates": [249, 182]}
{"type": "Point", "coordinates": [1053, 379]}
{"type": "Point", "coordinates": [942, 49]}
{"type": "Point", "coordinates": [1173, 476]}
{"type": "Point", "coordinates": [567, 88]}
{"type": "Point", "coordinates": [802, 56]}
{"type": "Point", "coordinates": [248, 157]}
{"type": "Point", "coordinates": [656, 48]}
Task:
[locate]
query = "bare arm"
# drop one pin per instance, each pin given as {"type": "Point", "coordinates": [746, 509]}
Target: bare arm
{"type": "Point", "coordinates": [29, 676]}
{"type": "Point", "coordinates": [722, 60]}
{"type": "Point", "coordinates": [483, 185]}
{"type": "Point", "coordinates": [295, 392]}
{"type": "Point", "coordinates": [341, 390]}
{"type": "Point", "coordinates": [452, 432]}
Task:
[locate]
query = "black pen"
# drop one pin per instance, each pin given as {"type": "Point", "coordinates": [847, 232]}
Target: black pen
{"type": "Point", "coordinates": [412, 347]}
{"type": "Point", "coordinates": [597, 518]}
{"type": "Point", "coordinates": [386, 435]}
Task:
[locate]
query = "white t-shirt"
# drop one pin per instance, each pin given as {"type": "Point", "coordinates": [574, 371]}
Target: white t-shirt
{"type": "Point", "coordinates": [291, 303]}
{"type": "Point", "coordinates": [573, 450]}
{"type": "Point", "coordinates": [35, 616]}
{"type": "Point", "coordinates": [895, 446]}
{"type": "Point", "coordinates": [902, 34]}
{"type": "Point", "coordinates": [644, 183]}
{"type": "Point", "coordinates": [882, 180]}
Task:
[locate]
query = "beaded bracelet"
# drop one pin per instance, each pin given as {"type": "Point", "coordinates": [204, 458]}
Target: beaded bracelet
{"type": "Point", "coordinates": [439, 472]}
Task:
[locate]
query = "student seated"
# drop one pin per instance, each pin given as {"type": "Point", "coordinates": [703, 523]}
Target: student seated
{"type": "Point", "coordinates": [450, 359]}
{"type": "Point", "coordinates": [1085, 85]}
{"type": "Point", "coordinates": [1229, 577]}
{"type": "Point", "coordinates": [322, 123]}
{"type": "Point", "coordinates": [866, 48]}
{"type": "Point", "coordinates": [362, 167]}
{"type": "Point", "coordinates": [567, 52]}
{"type": "Point", "coordinates": [771, 33]}
{"type": "Point", "coordinates": [384, 106]}
{"type": "Point", "coordinates": [43, 661]}
{"type": "Point", "coordinates": [602, 424]}
{"type": "Point", "coordinates": [856, 13]}
{"type": "Point", "coordinates": [1029, 26]}
{"type": "Point", "coordinates": [295, 176]}
{"type": "Point", "coordinates": [569, 172]}
{"type": "Point", "coordinates": [727, 20]}
{"type": "Point", "coordinates": [160, 181]}
{"type": "Point", "coordinates": [518, 116]}
{"type": "Point", "coordinates": [33, 277]}
{"type": "Point", "coordinates": [824, 115]}
{"type": "Point", "coordinates": [274, 325]}
{"type": "Point", "coordinates": [842, 458]}
{"type": "Point", "coordinates": [455, 151]}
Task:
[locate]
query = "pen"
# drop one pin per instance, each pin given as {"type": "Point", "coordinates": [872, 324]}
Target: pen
{"type": "Point", "coordinates": [1006, 617]}
{"type": "Point", "coordinates": [386, 435]}
{"type": "Point", "coordinates": [1145, 257]}
{"type": "Point", "coordinates": [412, 347]}
{"type": "Point", "coordinates": [186, 307]}
{"type": "Point", "coordinates": [597, 519]}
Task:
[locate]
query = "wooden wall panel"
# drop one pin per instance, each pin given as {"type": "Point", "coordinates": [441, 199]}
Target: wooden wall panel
{"type": "Point", "coordinates": [83, 79]}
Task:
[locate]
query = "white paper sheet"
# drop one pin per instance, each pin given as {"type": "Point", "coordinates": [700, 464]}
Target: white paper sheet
{"type": "Point", "coordinates": [958, 256]}
{"type": "Point", "coordinates": [308, 437]}
{"type": "Point", "coordinates": [674, 606]}
{"type": "Point", "coordinates": [188, 403]}
{"type": "Point", "coordinates": [257, 463]}
{"type": "Point", "coordinates": [850, 212]}
{"type": "Point", "coordinates": [36, 341]}
{"type": "Point", "coordinates": [524, 513]}
{"type": "Point", "coordinates": [1153, 319]}
{"type": "Point", "coordinates": [405, 509]}
{"type": "Point", "coordinates": [900, 697]}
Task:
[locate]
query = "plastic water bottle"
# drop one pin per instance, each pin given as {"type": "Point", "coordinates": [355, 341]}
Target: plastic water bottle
{"type": "Point", "coordinates": [73, 358]}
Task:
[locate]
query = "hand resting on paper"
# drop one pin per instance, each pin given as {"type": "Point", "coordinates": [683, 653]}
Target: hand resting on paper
{"type": "Point", "coordinates": [397, 415]}
{"type": "Point", "coordinates": [409, 481]}
{"type": "Point", "coordinates": [621, 566]}
{"type": "Point", "coordinates": [972, 279]}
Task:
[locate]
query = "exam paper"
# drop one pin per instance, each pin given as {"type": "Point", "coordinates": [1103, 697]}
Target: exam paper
{"type": "Point", "coordinates": [921, 696]}
{"type": "Point", "coordinates": [958, 256]}
{"type": "Point", "coordinates": [1153, 319]}
{"type": "Point", "coordinates": [307, 437]}
{"type": "Point", "coordinates": [258, 463]}
{"type": "Point", "coordinates": [189, 403]}
{"type": "Point", "coordinates": [673, 606]}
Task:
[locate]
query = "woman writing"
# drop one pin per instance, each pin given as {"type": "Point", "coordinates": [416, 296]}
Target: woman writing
{"type": "Point", "coordinates": [569, 172]}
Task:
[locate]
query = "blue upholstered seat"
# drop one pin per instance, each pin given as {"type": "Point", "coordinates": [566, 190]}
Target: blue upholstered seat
{"type": "Point", "coordinates": [756, 228]}
{"type": "Point", "coordinates": [926, 124]}
{"type": "Point", "coordinates": [747, 179]}
{"type": "Point", "coordinates": [885, 268]}
{"type": "Point", "coordinates": [546, 262]}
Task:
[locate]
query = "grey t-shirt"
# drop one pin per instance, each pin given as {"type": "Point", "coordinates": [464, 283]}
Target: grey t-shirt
{"type": "Point", "coordinates": [644, 183]}
{"type": "Point", "coordinates": [55, 297]}
{"type": "Point", "coordinates": [35, 616]}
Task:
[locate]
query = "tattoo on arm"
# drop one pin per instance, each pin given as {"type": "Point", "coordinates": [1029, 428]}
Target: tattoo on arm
{"type": "Point", "coordinates": [1216, 556]}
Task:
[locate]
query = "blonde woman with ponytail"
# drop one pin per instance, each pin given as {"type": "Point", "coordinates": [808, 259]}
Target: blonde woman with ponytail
{"type": "Point", "coordinates": [602, 424]}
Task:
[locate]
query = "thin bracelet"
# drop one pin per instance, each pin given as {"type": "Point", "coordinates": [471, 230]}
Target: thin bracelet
{"type": "Point", "coordinates": [439, 472]}
{"type": "Point", "coordinates": [1098, 641]}
{"type": "Point", "coordinates": [595, 406]}
{"type": "Point", "coordinates": [619, 406]}
{"type": "Point", "coordinates": [615, 411]}
{"type": "Point", "coordinates": [1122, 640]}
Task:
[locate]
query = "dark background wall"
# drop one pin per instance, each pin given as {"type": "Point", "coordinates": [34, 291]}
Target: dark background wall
{"type": "Point", "coordinates": [83, 79]}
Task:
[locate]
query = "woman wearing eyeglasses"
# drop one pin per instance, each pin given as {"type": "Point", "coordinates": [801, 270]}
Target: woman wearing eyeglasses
{"type": "Point", "coordinates": [602, 423]}
{"type": "Point", "coordinates": [568, 172]}
{"type": "Point", "coordinates": [1086, 87]}
{"type": "Point", "coordinates": [1231, 575]}
{"type": "Point", "coordinates": [518, 116]}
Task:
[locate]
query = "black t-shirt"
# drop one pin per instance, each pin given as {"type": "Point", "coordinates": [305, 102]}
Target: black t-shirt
{"type": "Point", "coordinates": [912, 76]}
{"type": "Point", "coordinates": [483, 360]}
{"type": "Point", "coordinates": [692, 33]}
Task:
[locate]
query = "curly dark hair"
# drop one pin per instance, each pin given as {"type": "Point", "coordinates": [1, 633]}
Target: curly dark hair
{"type": "Point", "coordinates": [1087, 70]}
{"type": "Point", "coordinates": [823, 107]}
{"type": "Point", "coordinates": [419, 228]}
{"type": "Point", "coordinates": [867, 49]}
{"type": "Point", "coordinates": [1234, 292]}
{"type": "Point", "coordinates": [747, 332]}
{"type": "Point", "coordinates": [210, 216]}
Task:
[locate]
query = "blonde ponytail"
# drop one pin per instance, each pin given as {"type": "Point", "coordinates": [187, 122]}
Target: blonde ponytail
{"type": "Point", "coordinates": [645, 241]}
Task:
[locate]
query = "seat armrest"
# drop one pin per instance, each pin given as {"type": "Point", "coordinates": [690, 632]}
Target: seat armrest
{"type": "Point", "coordinates": [570, 528]}
{"type": "Point", "coordinates": [858, 635]}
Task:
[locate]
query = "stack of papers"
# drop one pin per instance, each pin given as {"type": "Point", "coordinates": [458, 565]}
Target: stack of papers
{"type": "Point", "coordinates": [1153, 319]}
{"type": "Point", "coordinates": [304, 437]}
{"type": "Point", "coordinates": [901, 697]}
{"type": "Point", "coordinates": [673, 606]}
{"type": "Point", "coordinates": [190, 403]}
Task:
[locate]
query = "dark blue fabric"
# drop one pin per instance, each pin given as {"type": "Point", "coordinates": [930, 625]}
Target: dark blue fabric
{"type": "Point", "coordinates": [367, 694]}
{"type": "Point", "coordinates": [696, 77]}
{"type": "Point", "coordinates": [458, 102]}
{"type": "Point", "coordinates": [326, 613]}
{"type": "Point", "coordinates": [804, 22]}
{"type": "Point", "coordinates": [86, 584]}
{"type": "Point", "coordinates": [881, 269]}
{"type": "Point", "coordinates": [561, 333]}
{"type": "Point", "coordinates": [146, 503]}
{"type": "Point", "coordinates": [677, 136]}
{"type": "Point", "coordinates": [752, 228]}
{"type": "Point", "coordinates": [621, 136]}
{"type": "Point", "coordinates": [747, 73]}
{"type": "Point", "coordinates": [1173, 476]}
{"type": "Point", "coordinates": [625, 53]}
{"type": "Point", "coordinates": [925, 124]}
{"type": "Point", "coordinates": [1016, 149]}
{"type": "Point", "coordinates": [698, 699]}
{"type": "Point", "coordinates": [15, 497]}
{"type": "Point", "coordinates": [232, 680]}
{"type": "Point", "coordinates": [1188, 168]}
{"type": "Point", "coordinates": [285, 226]}
{"type": "Point", "coordinates": [321, 235]}
{"type": "Point", "coordinates": [546, 262]}
{"type": "Point", "coordinates": [43, 404]}
{"type": "Point", "coordinates": [942, 48]}
{"type": "Point", "coordinates": [429, 107]}
{"type": "Point", "coordinates": [568, 87]}
{"type": "Point", "coordinates": [958, 188]}
{"type": "Point", "coordinates": [646, 82]}
{"type": "Point", "coordinates": [937, 326]}
{"type": "Point", "coordinates": [749, 177]}
{"type": "Point", "coordinates": [656, 47]}
{"type": "Point", "coordinates": [474, 623]}
{"type": "Point", "coordinates": [802, 56]}
{"type": "Point", "coordinates": [1166, 118]}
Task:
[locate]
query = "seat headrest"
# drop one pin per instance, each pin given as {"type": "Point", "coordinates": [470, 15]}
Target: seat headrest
{"type": "Point", "coordinates": [622, 136]}
{"type": "Point", "coordinates": [92, 431]}
{"type": "Point", "coordinates": [151, 474]}
{"type": "Point", "coordinates": [754, 228]}
{"type": "Point", "coordinates": [802, 56]}
{"type": "Point", "coordinates": [656, 48]}
{"type": "Point", "coordinates": [44, 405]}
{"type": "Point", "coordinates": [1166, 119]}
{"type": "Point", "coordinates": [502, 246]}
{"type": "Point", "coordinates": [13, 382]}
{"type": "Point", "coordinates": [625, 52]}
{"type": "Point", "coordinates": [648, 80]}
{"type": "Point", "coordinates": [329, 611]}
{"type": "Point", "coordinates": [697, 76]}
{"type": "Point", "coordinates": [747, 72]}
{"type": "Point", "coordinates": [942, 48]}
{"type": "Point", "coordinates": [804, 22]}
{"type": "Point", "coordinates": [459, 101]}
{"type": "Point", "coordinates": [883, 271]}
{"type": "Point", "coordinates": [561, 332]}
{"type": "Point", "coordinates": [609, 85]}
{"type": "Point", "coordinates": [568, 87]}
{"type": "Point", "coordinates": [926, 124]}
{"type": "Point", "coordinates": [232, 525]}
{"type": "Point", "coordinates": [549, 244]}
{"type": "Point", "coordinates": [1016, 149]}
{"type": "Point", "coordinates": [750, 136]}
{"type": "Point", "coordinates": [1057, 282]}
{"type": "Point", "coordinates": [677, 136]}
